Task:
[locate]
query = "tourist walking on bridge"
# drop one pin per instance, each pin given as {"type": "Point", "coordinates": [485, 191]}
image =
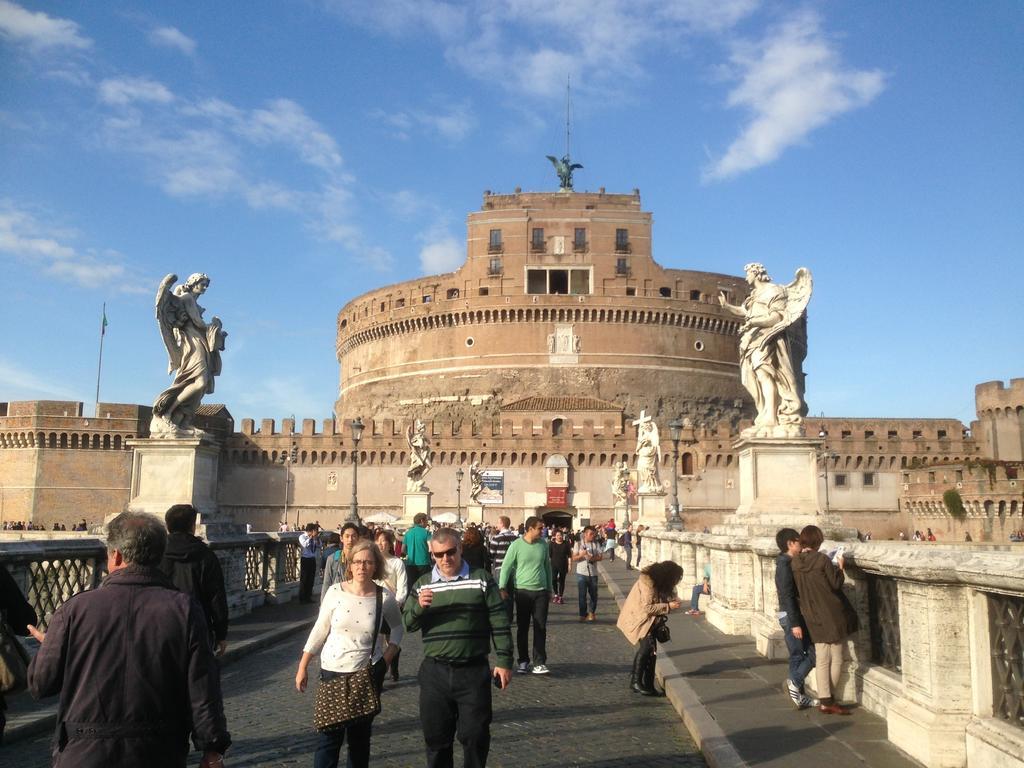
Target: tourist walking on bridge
{"type": "Point", "coordinates": [336, 566]}
{"type": "Point", "coordinates": [528, 565]}
{"type": "Point", "coordinates": [560, 551]}
{"type": "Point", "coordinates": [586, 555]}
{"type": "Point", "coordinates": [309, 541]}
{"type": "Point", "coordinates": [652, 597]}
{"type": "Point", "coordinates": [347, 638]}
{"type": "Point", "coordinates": [414, 544]}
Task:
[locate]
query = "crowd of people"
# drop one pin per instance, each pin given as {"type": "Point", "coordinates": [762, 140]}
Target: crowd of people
{"type": "Point", "coordinates": [22, 525]}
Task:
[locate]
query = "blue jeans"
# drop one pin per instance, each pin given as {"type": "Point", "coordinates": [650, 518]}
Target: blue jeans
{"type": "Point", "coordinates": [801, 653]}
{"type": "Point", "coordinates": [698, 590]}
{"type": "Point", "coordinates": [587, 585]}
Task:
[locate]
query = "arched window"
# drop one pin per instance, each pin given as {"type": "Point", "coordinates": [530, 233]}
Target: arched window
{"type": "Point", "coordinates": [556, 427]}
{"type": "Point", "coordinates": [687, 463]}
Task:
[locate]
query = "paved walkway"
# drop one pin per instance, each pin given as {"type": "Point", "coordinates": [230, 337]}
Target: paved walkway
{"type": "Point", "coordinates": [582, 714]}
{"type": "Point", "coordinates": [731, 700]}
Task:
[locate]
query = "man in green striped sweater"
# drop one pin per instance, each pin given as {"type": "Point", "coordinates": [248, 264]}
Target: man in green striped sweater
{"type": "Point", "coordinates": [460, 614]}
{"type": "Point", "coordinates": [527, 568]}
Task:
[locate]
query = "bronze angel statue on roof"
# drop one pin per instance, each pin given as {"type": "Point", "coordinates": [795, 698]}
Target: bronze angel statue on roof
{"type": "Point", "coordinates": [564, 169]}
{"type": "Point", "coordinates": [773, 319]}
{"type": "Point", "coordinates": [193, 352]}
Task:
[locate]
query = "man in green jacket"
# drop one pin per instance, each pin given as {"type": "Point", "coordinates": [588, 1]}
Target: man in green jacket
{"type": "Point", "coordinates": [417, 558]}
{"type": "Point", "coordinates": [460, 614]}
{"type": "Point", "coordinates": [527, 567]}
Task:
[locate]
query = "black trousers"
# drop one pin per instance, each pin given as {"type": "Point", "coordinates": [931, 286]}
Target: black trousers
{"type": "Point", "coordinates": [559, 578]}
{"type": "Point", "coordinates": [307, 573]}
{"type": "Point", "coordinates": [532, 608]}
{"type": "Point", "coordinates": [455, 701]}
{"type": "Point", "coordinates": [413, 572]}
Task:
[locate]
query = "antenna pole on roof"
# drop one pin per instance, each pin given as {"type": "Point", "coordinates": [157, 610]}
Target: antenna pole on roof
{"type": "Point", "coordinates": [566, 166]}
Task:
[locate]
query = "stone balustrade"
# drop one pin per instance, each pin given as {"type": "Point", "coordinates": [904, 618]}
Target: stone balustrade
{"type": "Point", "coordinates": [258, 568]}
{"type": "Point", "coordinates": [940, 649]}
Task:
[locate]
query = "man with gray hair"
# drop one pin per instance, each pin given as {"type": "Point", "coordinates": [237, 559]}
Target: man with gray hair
{"type": "Point", "coordinates": [133, 664]}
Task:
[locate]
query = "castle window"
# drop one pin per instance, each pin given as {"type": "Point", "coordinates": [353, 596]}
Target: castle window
{"type": "Point", "coordinates": [694, 295]}
{"type": "Point", "coordinates": [960, 475]}
{"type": "Point", "coordinates": [494, 267]}
{"type": "Point", "coordinates": [687, 463]}
{"type": "Point", "coordinates": [558, 281]}
{"type": "Point", "coordinates": [382, 306]}
{"type": "Point", "coordinates": [839, 481]}
{"type": "Point", "coordinates": [556, 427]}
{"type": "Point", "coordinates": [916, 434]}
{"type": "Point", "coordinates": [400, 303]}
{"type": "Point", "coordinates": [942, 434]}
{"type": "Point", "coordinates": [536, 281]}
{"type": "Point", "coordinates": [869, 479]}
{"type": "Point", "coordinates": [868, 434]}
{"type": "Point", "coordinates": [631, 291]}
{"type": "Point", "coordinates": [1011, 473]}
{"type": "Point", "coordinates": [622, 240]}
{"type": "Point", "coordinates": [541, 280]}
{"type": "Point", "coordinates": [579, 239]}
{"type": "Point", "coordinates": [845, 433]}
{"type": "Point", "coordinates": [931, 477]}
{"type": "Point", "coordinates": [453, 293]}
{"type": "Point", "coordinates": [893, 434]}
{"type": "Point", "coordinates": [579, 282]}
{"type": "Point", "coordinates": [484, 291]}
{"type": "Point", "coordinates": [537, 239]}
{"type": "Point", "coordinates": [621, 266]}
{"type": "Point", "coordinates": [665, 292]}
{"type": "Point", "coordinates": [427, 299]}
{"type": "Point", "coordinates": [494, 244]}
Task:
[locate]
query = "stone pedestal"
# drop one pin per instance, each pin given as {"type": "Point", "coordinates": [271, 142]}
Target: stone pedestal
{"type": "Point", "coordinates": [650, 510]}
{"type": "Point", "coordinates": [474, 514]}
{"type": "Point", "coordinates": [778, 488]}
{"type": "Point", "coordinates": [622, 516]}
{"type": "Point", "coordinates": [413, 504]}
{"type": "Point", "coordinates": [179, 471]}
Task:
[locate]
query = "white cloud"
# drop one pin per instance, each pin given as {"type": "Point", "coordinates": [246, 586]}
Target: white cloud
{"type": "Point", "coordinates": [452, 123]}
{"type": "Point", "coordinates": [38, 30]}
{"type": "Point", "coordinates": [48, 248]}
{"type": "Point", "coordinates": [126, 90]}
{"type": "Point", "coordinates": [531, 46]}
{"type": "Point", "coordinates": [172, 37]}
{"type": "Point", "coordinates": [791, 83]}
{"type": "Point", "coordinates": [20, 383]}
{"type": "Point", "coordinates": [444, 255]}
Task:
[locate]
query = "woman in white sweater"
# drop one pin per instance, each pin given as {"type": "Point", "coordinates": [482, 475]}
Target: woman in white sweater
{"type": "Point", "coordinates": [344, 638]}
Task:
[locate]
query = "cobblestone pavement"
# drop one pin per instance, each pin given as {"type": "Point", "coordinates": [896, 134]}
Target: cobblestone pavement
{"type": "Point", "coordinates": [582, 714]}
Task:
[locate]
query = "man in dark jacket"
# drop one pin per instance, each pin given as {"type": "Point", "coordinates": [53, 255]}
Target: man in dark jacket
{"type": "Point", "coordinates": [794, 630]}
{"type": "Point", "coordinates": [19, 615]}
{"type": "Point", "coordinates": [193, 568]}
{"type": "Point", "coordinates": [132, 663]}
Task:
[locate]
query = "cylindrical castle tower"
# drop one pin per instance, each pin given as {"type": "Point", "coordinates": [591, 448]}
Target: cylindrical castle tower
{"type": "Point", "coordinates": [559, 295]}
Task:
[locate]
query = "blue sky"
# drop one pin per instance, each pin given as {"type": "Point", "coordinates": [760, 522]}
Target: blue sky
{"type": "Point", "coordinates": [303, 152]}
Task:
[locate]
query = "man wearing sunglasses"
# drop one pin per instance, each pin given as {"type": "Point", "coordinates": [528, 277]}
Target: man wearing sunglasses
{"type": "Point", "coordinates": [460, 613]}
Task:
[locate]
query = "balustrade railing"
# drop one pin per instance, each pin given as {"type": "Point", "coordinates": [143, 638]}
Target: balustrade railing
{"type": "Point", "coordinates": [1006, 635]}
{"type": "Point", "coordinates": [256, 566]}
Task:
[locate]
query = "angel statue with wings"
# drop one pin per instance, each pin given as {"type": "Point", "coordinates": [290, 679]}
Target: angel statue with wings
{"type": "Point", "coordinates": [772, 316]}
{"type": "Point", "coordinates": [564, 169]}
{"type": "Point", "coordinates": [419, 457]}
{"type": "Point", "coordinates": [476, 482]}
{"type": "Point", "coordinates": [193, 351]}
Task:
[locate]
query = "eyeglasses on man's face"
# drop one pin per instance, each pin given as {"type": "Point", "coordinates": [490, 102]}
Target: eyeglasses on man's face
{"type": "Point", "coordinates": [445, 553]}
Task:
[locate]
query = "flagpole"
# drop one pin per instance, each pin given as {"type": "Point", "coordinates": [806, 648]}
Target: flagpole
{"type": "Point", "coordinates": [99, 367]}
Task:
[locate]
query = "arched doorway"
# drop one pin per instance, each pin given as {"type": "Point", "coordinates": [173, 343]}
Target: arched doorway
{"type": "Point", "coordinates": [555, 517]}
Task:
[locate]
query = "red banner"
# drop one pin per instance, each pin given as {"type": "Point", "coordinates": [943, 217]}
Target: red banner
{"type": "Point", "coordinates": [558, 497]}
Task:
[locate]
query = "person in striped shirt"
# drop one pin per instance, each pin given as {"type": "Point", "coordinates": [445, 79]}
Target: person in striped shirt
{"type": "Point", "coordinates": [460, 614]}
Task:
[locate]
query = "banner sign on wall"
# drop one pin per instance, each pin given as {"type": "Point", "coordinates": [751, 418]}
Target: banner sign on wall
{"type": "Point", "coordinates": [493, 481]}
{"type": "Point", "coordinates": [558, 497]}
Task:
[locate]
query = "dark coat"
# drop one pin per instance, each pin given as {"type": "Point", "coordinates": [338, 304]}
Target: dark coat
{"type": "Point", "coordinates": [827, 613]}
{"type": "Point", "coordinates": [18, 612]}
{"type": "Point", "coordinates": [192, 567]}
{"type": "Point", "coordinates": [136, 674]}
{"type": "Point", "coordinates": [786, 587]}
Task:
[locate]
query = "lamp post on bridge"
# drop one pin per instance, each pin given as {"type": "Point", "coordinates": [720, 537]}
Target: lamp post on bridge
{"type": "Point", "coordinates": [459, 474]}
{"type": "Point", "coordinates": [825, 456]}
{"type": "Point", "coordinates": [357, 435]}
{"type": "Point", "coordinates": [287, 459]}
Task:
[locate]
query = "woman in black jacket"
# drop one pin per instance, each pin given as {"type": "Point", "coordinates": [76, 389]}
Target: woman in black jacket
{"type": "Point", "coordinates": [19, 614]}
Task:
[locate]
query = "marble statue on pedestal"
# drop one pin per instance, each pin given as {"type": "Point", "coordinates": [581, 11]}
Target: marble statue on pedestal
{"type": "Point", "coordinates": [419, 458]}
{"type": "Point", "coordinates": [771, 314]}
{"type": "Point", "coordinates": [620, 484]}
{"type": "Point", "coordinates": [476, 482]}
{"type": "Point", "coordinates": [648, 453]}
{"type": "Point", "coordinates": [193, 351]}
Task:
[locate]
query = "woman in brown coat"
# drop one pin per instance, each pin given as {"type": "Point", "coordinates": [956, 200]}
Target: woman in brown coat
{"type": "Point", "coordinates": [653, 595]}
{"type": "Point", "coordinates": [828, 614]}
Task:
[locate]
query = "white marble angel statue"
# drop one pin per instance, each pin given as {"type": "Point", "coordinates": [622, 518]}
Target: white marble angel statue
{"type": "Point", "coordinates": [193, 352]}
{"type": "Point", "coordinates": [648, 452]}
{"type": "Point", "coordinates": [771, 313]}
{"type": "Point", "coordinates": [620, 484]}
{"type": "Point", "coordinates": [476, 482]}
{"type": "Point", "coordinates": [419, 458]}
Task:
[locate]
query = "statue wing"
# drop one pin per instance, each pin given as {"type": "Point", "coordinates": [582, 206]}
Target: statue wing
{"type": "Point", "coordinates": [554, 160]}
{"type": "Point", "coordinates": [169, 314]}
{"type": "Point", "coordinates": [798, 294]}
{"type": "Point", "coordinates": [575, 167]}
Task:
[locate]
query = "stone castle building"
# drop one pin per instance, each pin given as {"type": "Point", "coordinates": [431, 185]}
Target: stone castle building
{"type": "Point", "coordinates": [533, 358]}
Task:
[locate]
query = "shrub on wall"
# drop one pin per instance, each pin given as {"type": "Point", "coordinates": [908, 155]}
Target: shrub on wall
{"type": "Point", "coordinates": [954, 504]}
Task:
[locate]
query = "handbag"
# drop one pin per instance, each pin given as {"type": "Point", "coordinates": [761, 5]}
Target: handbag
{"type": "Point", "coordinates": [661, 631]}
{"type": "Point", "coordinates": [14, 661]}
{"type": "Point", "coordinates": [351, 696]}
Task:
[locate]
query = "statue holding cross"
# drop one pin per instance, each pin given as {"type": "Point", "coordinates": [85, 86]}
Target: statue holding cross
{"type": "Point", "coordinates": [648, 452]}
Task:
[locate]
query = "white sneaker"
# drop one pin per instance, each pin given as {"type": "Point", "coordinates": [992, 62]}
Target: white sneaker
{"type": "Point", "coordinates": [523, 667]}
{"type": "Point", "coordinates": [807, 701]}
{"type": "Point", "coordinates": [540, 669]}
{"type": "Point", "coordinates": [794, 692]}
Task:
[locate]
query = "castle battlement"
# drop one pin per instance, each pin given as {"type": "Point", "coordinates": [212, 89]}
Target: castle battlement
{"type": "Point", "coordinates": [994, 395]}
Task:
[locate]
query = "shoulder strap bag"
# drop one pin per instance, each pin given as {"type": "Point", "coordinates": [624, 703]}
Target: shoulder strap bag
{"type": "Point", "coordinates": [13, 660]}
{"type": "Point", "coordinates": [351, 696]}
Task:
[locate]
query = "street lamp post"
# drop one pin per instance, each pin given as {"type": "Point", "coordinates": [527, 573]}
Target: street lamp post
{"type": "Point", "coordinates": [676, 431]}
{"type": "Point", "coordinates": [825, 455]}
{"type": "Point", "coordinates": [459, 474]}
{"type": "Point", "coordinates": [357, 435]}
{"type": "Point", "coordinates": [287, 459]}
